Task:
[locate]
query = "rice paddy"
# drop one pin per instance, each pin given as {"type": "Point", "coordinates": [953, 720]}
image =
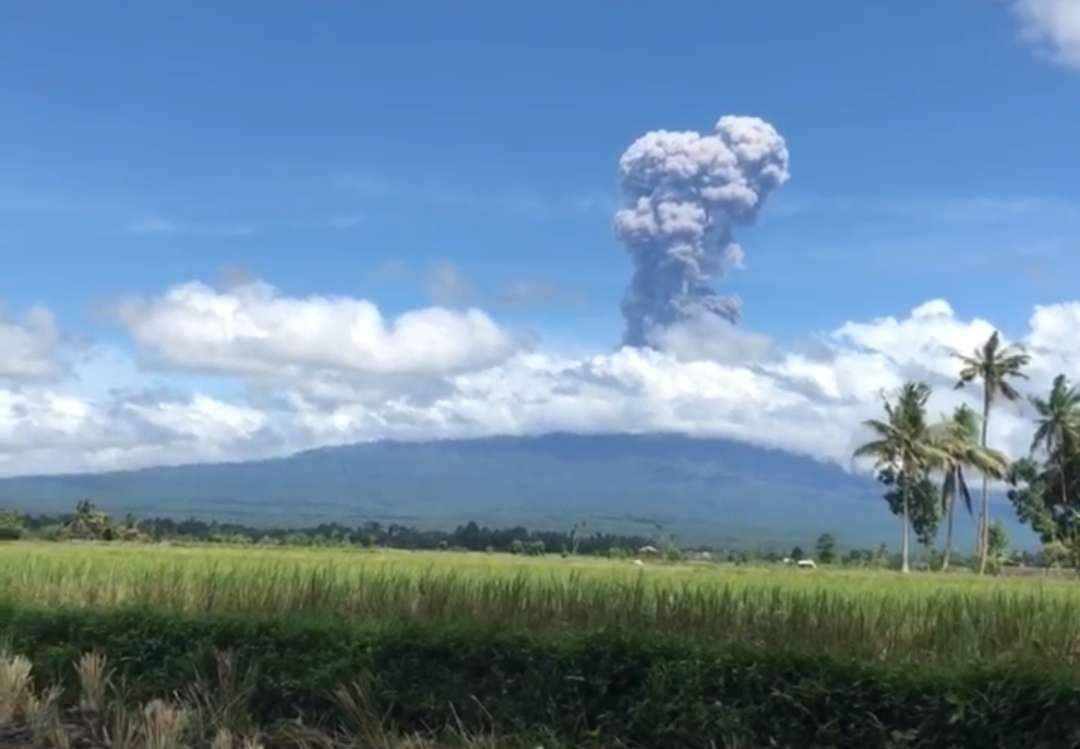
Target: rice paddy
{"type": "Point", "coordinates": [862, 614]}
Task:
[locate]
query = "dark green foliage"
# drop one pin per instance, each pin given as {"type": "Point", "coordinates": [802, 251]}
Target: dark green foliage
{"type": "Point", "coordinates": [998, 546]}
{"type": "Point", "coordinates": [924, 502]}
{"type": "Point", "coordinates": [826, 548]}
{"type": "Point", "coordinates": [905, 451]}
{"type": "Point", "coordinates": [1047, 496]}
{"type": "Point", "coordinates": [89, 522]}
{"type": "Point", "coordinates": [1041, 501]}
{"type": "Point", "coordinates": [599, 689]}
{"type": "Point", "coordinates": [11, 525]}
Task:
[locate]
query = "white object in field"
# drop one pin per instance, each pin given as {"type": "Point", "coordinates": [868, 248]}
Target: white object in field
{"type": "Point", "coordinates": [807, 564]}
{"type": "Point", "coordinates": [638, 563]}
{"type": "Point", "coordinates": [648, 551]}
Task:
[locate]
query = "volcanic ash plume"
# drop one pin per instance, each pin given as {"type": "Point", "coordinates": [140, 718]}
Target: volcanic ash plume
{"type": "Point", "coordinates": [682, 193]}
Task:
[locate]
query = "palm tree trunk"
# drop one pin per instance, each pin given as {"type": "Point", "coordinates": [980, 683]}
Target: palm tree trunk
{"type": "Point", "coordinates": [949, 524]}
{"type": "Point", "coordinates": [1062, 463]}
{"type": "Point", "coordinates": [1064, 484]}
{"type": "Point", "coordinates": [904, 539]}
{"type": "Point", "coordinates": [984, 515]}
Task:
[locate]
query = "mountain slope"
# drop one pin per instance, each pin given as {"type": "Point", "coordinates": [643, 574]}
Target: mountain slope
{"type": "Point", "coordinates": [704, 490]}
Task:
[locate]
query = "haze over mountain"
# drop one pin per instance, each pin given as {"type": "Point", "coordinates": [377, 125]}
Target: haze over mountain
{"type": "Point", "coordinates": [712, 491]}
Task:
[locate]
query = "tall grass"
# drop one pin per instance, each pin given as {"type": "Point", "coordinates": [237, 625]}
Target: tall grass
{"type": "Point", "coordinates": [865, 615]}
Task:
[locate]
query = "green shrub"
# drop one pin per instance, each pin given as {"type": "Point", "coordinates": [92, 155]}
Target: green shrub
{"type": "Point", "coordinates": [11, 525]}
{"type": "Point", "coordinates": [601, 689]}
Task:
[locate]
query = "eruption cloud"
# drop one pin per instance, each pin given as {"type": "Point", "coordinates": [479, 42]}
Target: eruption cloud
{"type": "Point", "coordinates": [682, 194]}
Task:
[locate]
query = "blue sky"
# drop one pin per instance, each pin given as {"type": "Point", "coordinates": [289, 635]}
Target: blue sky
{"type": "Point", "coordinates": [411, 154]}
{"type": "Point", "coordinates": [932, 151]}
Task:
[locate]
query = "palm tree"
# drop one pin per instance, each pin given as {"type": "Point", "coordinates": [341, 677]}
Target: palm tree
{"type": "Point", "coordinates": [994, 365]}
{"type": "Point", "coordinates": [904, 445]}
{"type": "Point", "coordinates": [957, 439]}
{"type": "Point", "coordinates": [1059, 426]}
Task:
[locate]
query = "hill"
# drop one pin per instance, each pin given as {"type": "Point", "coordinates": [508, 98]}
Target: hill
{"type": "Point", "coordinates": [711, 491]}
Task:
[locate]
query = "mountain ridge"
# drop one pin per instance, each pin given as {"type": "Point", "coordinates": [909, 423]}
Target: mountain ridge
{"type": "Point", "coordinates": [704, 490]}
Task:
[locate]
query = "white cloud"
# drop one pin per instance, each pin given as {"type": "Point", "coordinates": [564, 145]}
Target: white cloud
{"type": "Point", "coordinates": [812, 404]}
{"type": "Point", "coordinates": [30, 349]}
{"type": "Point", "coordinates": [1054, 342]}
{"type": "Point", "coordinates": [46, 430]}
{"type": "Point", "coordinates": [711, 338]}
{"type": "Point", "coordinates": [202, 417]}
{"type": "Point", "coordinates": [254, 331]}
{"type": "Point", "coordinates": [920, 345]}
{"type": "Point", "coordinates": [809, 399]}
{"type": "Point", "coordinates": [1053, 26]}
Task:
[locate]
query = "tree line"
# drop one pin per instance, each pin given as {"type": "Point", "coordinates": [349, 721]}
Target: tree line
{"type": "Point", "coordinates": [925, 466]}
{"type": "Point", "coordinates": [89, 522]}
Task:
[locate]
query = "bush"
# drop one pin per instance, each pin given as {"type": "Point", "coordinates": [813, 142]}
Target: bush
{"type": "Point", "coordinates": [826, 548]}
{"type": "Point", "coordinates": [55, 532]}
{"type": "Point", "coordinates": [599, 689]}
{"type": "Point", "coordinates": [11, 525]}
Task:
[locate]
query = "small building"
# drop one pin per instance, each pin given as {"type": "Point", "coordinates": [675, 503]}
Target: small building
{"type": "Point", "coordinates": [648, 551]}
{"type": "Point", "coordinates": [806, 564]}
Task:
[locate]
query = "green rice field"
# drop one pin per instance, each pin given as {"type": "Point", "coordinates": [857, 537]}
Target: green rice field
{"type": "Point", "coordinates": [875, 615]}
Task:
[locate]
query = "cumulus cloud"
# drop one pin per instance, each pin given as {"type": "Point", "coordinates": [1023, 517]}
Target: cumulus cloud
{"type": "Point", "coordinates": [1053, 26]}
{"type": "Point", "coordinates": [44, 429]}
{"type": "Point", "coordinates": [923, 344]}
{"type": "Point", "coordinates": [809, 399]}
{"type": "Point", "coordinates": [682, 194]}
{"type": "Point", "coordinates": [711, 338]}
{"type": "Point", "coordinates": [809, 403]}
{"type": "Point", "coordinates": [30, 349]}
{"type": "Point", "coordinates": [322, 342]}
{"type": "Point", "coordinates": [1053, 340]}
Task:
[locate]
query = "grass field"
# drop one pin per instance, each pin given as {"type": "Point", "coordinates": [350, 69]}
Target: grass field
{"type": "Point", "coordinates": [876, 615]}
{"type": "Point", "coordinates": [551, 651]}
